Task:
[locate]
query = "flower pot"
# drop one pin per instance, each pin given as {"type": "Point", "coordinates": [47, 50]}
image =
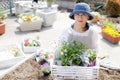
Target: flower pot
{"type": "Point", "coordinates": [29, 49]}
{"type": "Point", "coordinates": [114, 40]}
{"type": "Point", "coordinates": [31, 25]}
{"type": "Point", "coordinates": [2, 27]}
{"type": "Point", "coordinates": [46, 74]}
{"type": "Point", "coordinates": [47, 15]}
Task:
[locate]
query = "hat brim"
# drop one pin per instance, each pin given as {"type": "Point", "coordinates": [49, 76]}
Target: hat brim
{"type": "Point", "coordinates": [80, 11]}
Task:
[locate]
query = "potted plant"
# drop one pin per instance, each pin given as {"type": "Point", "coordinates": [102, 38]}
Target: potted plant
{"type": "Point", "coordinates": [31, 44]}
{"type": "Point", "coordinates": [76, 58]}
{"type": "Point", "coordinates": [111, 34]}
{"type": "Point", "coordinates": [2, 24]}
{"type": "Point", "coordinates": [30, 22]}
{"type": "Point", "coordinates": [74, 53]}
{"type": "Point", "coordinates": [110, 31]}
{"type": "Point", "coordinates": [45, 67]}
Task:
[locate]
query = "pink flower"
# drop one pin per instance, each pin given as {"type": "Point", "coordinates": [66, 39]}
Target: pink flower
{"type": "Point", "coordinates": [26, 42]}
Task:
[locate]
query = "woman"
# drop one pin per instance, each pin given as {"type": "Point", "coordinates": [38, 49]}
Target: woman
{"type": "Point", "coordinates": [81, 30]}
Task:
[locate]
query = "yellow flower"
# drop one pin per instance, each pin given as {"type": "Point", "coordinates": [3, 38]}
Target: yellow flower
{"type": "Point", "coordinates": [27, 18]}
{"type": "Point", "coordinates": [111, 31]}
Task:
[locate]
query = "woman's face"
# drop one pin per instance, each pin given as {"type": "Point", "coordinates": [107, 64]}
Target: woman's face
{"type": "Point", "coordinates": [81, 18]}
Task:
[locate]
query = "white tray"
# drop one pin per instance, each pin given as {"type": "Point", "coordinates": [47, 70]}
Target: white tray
{"type": "Point", "coordinates": [16, 65]}
{"type": "Point", "coordinates": [6, 63]}
{"type": "Point", "coordinates": [109, 64]}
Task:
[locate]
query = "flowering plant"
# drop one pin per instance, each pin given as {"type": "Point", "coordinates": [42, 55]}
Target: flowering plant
{"type": "Point", "coordinates": [75, 53]}
{"type": "Point", "coordinates": [45, 67]}
{"type": "Point", "coordinates": [28, 17]}
{"type": "Point", "coordinates": [32, 41]}
{"type": "Point", "coordinates": [111, 31]}
{"type": "Point", "coordinates": [112, 25]}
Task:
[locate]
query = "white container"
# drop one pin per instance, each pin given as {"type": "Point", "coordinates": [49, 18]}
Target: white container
{"type": "Point", "coordinates": [16, 65]}
{"type": "Point", "coordinates": [75, 72]}
{"type": "Point", "coordinates": [48, 16]}
{"type": "Point", "coordinates": [10, 61]}
{"type": "Point", "coordinates": [30, 25]}
{"type": "Point", "coordinates": [29, 49]}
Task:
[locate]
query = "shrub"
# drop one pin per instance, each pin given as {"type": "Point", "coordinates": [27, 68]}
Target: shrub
{"type": "Point", "coordinates": [113, 7]}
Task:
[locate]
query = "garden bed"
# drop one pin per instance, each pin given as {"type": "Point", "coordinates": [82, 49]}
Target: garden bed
{"type": "Point", "coordinates": [109, 74]}
{"type": "Point", "coordinates": [26, 73]}
{"type": "Point", "coordinates": [27, 69]}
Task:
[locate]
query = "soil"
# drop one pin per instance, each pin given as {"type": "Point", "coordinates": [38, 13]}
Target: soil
{"type": "Point", "coordinates": [33, 72]}
{"type": "Point", "coordinates": [109, 74]}
{"type": "Point", "coordinates": [28, 70]}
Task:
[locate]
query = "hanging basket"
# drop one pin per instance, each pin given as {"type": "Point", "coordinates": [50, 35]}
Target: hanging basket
{"type": "Point", "coordinates": [2, 27]}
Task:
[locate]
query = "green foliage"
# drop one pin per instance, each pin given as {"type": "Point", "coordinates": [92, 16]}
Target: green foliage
{"type": "Point", "coordinates": [69, 52]}
{"type": "Point", "coordinates": [50, 0]}
{"type": "Point", "coordinates": [46, 70]}
{"type": "Point", "coordinates": [108, 23]}
{"type": "Point", "coordinates": [47, 55]}
{"type": "Point", "coordinates": [113, 25]}
{"type": "Point", "coordinates": [14, 50]}
{"type": "Point", "coordinates": [75, 53]}
{"type": "Point", "coordinates": [93, 54]}
{"type": "Point", "coordinates": [2, 14]}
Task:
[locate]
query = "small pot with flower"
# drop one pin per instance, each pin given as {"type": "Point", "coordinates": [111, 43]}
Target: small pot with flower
{"type": "Point", "coordinates": [31, 45]}
{"type": "Point", "coordinates": [45, 67]}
